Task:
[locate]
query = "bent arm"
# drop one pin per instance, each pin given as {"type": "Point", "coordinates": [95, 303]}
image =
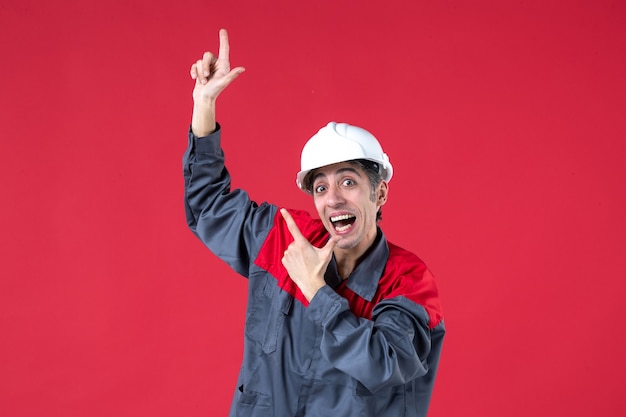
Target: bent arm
{"type": "Point", "coordinates": [391, 349]}
{"type": "Point", "coordinates": [226, 221]}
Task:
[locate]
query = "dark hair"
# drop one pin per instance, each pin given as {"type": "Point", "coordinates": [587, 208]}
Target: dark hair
{"type": "Point", "coordinates": [371, 168]}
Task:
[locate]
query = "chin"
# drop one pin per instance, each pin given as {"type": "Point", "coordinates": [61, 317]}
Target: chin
{"type": "Point", "coordinates": [346, 243]}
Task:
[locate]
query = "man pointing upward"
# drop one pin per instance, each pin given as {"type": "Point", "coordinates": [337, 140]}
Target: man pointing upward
{"type": "Point", "coordinates": [339, 321]}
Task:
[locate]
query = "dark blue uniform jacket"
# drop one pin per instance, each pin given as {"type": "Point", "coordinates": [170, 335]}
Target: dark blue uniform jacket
{"type": "Point", "coordinates": [365, 346]}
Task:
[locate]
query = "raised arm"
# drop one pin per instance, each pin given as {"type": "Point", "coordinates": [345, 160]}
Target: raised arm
{"type": "Point", "coordinates": [212, 74]}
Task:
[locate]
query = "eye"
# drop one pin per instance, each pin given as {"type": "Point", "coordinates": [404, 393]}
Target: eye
{"type": "Point", "coordinates": [348, 182]}
{"type": "Point", "coordinates": [319, 189]}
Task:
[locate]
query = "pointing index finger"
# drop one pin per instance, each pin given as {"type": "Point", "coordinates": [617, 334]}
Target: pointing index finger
{"type": "Point", "coordinates": [224, 46]}
{"type": "Point", "coordinates": [291, 225]}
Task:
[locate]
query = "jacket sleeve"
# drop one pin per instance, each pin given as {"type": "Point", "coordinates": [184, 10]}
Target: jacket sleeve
{"type": "Point", "coordinates": [231, 225]}
{"type": "Point", "coordinates": [391, 349]}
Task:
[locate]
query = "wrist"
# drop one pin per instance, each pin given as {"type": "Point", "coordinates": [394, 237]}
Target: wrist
{"type": "Point", "coordinates": [312, 290]}
{"type": "Point", "coordinates": [203, 118]}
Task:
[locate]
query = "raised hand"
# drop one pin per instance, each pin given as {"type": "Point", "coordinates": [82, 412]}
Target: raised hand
{"type": "Point", "coordinates": [212, 74]}
{"type": "Point", "coordinates": [305, 263]}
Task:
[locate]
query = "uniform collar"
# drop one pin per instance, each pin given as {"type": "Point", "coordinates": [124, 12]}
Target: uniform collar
{"type": "Point", "coordinates": [364, 279]}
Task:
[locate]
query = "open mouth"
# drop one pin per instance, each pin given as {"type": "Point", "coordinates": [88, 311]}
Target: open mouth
{"type": "Point", "coordinates": [343, 222]}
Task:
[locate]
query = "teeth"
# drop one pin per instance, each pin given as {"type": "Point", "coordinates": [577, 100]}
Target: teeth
{"type": "Point", "coordinates": [342, 217]}
{"type": "Point", "coordinates": [343, 228]}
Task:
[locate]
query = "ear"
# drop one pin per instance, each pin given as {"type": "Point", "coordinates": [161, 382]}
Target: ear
{"type": "Point", "coordinates": [382, 191]}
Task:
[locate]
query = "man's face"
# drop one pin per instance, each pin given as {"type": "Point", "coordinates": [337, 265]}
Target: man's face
{"type": "Point", "coordinates": [347, 205]}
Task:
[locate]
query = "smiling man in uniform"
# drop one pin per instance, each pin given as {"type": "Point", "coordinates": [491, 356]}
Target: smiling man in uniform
{"type": "Point", "coordinates": [340, 322]}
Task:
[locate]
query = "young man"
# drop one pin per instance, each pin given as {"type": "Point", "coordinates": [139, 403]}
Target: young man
{"type": "Point", "coordinates": [339, 321]}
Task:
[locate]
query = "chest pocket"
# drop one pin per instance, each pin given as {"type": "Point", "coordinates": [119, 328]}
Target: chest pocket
{"type": "Point", "coordinates": [266, 317]}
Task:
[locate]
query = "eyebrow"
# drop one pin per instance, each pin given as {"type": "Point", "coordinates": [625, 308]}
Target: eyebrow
{"type": "Point", "coordinates": [339, 171]}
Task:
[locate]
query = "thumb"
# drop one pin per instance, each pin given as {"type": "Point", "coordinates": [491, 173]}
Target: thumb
{"type": "Point", "coordinates": [232, 74]}
{"type": "Point", "coordinates": [222, 82]}
{"type": "Point", "coordinates": [327, 250]}
{"type": "Point", "coordinates": [235, 72]}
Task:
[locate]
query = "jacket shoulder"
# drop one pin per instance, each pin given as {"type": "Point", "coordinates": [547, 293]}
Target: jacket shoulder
{"type": "Point", "coordinates": [406, 275]}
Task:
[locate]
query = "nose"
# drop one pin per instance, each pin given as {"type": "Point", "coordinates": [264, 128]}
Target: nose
{"type": "Point", "coordinates": [334, 197]}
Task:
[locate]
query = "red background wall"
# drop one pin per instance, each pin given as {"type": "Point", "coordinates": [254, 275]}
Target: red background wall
{"type": "Point", "coordinates": [504, 121]}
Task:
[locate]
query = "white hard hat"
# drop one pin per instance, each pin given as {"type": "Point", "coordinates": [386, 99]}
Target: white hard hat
{"type": "Point", "coordinates": [340, 142]}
